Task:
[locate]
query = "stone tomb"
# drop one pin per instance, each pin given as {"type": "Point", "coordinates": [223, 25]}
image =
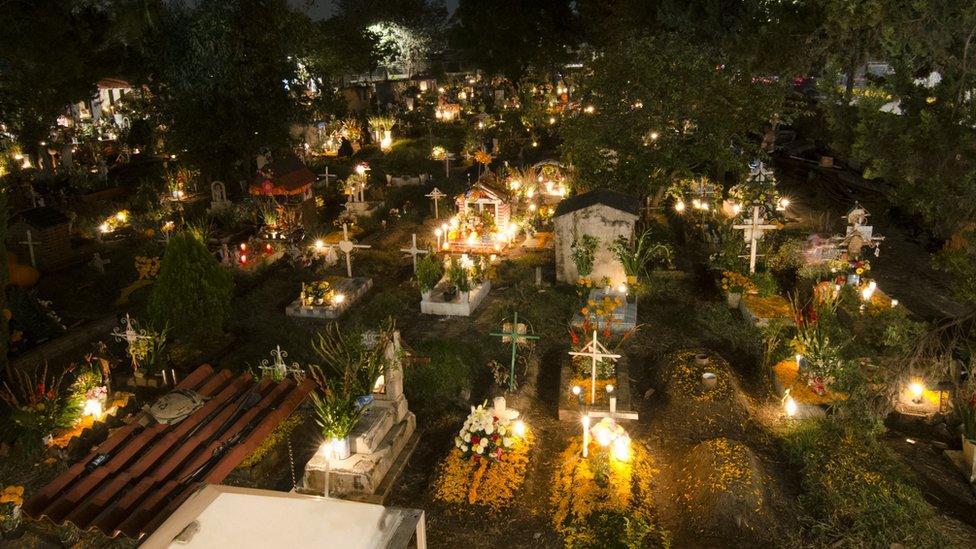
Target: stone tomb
{"type": "Point", "coordinates": [616, 404]}
{"type": "Point", "coordinates": [602, 214]}
{"type": "Point", "coordinates": [352, 289]}
{"type": "Point", "coordinates": [435, 302]}
{"type": "Point", "coordinates": [381, 443]}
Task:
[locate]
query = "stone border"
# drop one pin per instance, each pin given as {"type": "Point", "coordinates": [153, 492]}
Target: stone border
{"type": "Point", "coordinates": [454, 308]}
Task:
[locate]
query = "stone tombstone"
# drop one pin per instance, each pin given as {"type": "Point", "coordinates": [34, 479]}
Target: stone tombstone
{"type": "Point", "coordinates": [603, 214]}
{"type": "Point", "coordinates": [218, 193]}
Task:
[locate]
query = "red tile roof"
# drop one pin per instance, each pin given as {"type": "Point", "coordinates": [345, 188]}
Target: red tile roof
{"type": "Point", "coordinates": [285, 175]}
{"type": "Point", "coordinates": [144, 478]}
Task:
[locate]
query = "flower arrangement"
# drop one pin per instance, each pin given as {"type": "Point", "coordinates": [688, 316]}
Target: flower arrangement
{"type": "Point", "coordinates": [438, 153]}
{"type": "Point", "coordinates": [114, 222]}
{"type": "Point", "coordinates": [583, 286]}
{"type": "Point", "coordinates": [602, 502]}
{"type": "Point", "coordinates": [822, 358]}
{"type": "Point", "coordinates": [147, 267]}
{"type": "Point", "coordinates": [487, 433]}
{"type": "Point", "coordinates": [482, 157]}
{"type": "Point", "coordinates": [584, 253]}
{"type": "Point", "coordinates": [317, 293]}
{"type": "Point", "coordinates": [859, 266]}
{"type": "Point", "coordinates": [736, 283]}
{"type": "Point", "coordinates": [11, 499]}
{"type": "Point", "coordinates": [601, 312]}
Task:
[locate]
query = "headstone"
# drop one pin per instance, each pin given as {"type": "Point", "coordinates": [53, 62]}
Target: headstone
{"type": "Point", "coordinates": [218, 192]}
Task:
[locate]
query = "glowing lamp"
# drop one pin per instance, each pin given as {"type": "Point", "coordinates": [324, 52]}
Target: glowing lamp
{"type": "Point", "coordinates": [319, 244]}
{"type": "Point", "coordinates": [92, 408]}
{"type": "Point", "coordinates": [789, 405]}
{"type": "Point", "coordinates": [535, 143]}
{"type": "Point", "coordinates": [622, 288]}
{"type": "Point", "coordinates": [621, 448]}
{"type": "Point", "coordinates": [552, 120]}
{"type": "Point", "coordinates": [122, 217]}
{"type": "Point", "coordinates": [736, 208]}
{"type": "Point", "coordinates": [894, 302]}
{"type": "Point", "coordinates": [917, 390]}
{"type": "Point", "coordinates": [654, 136]}
{"type": "Point", "coordinates": [243, 259]}
{"type": "Point", "coordinates": [104, 228]}
{"type": "Point", "coordinates": [532, 207]}
{"type": "Point", "coordinates": [610, 388]}
{"type": "Point", "coordinates": [589, 109]}
{"type": "Point", "coordinates": [519, 428]}
{"type": "Point", "coordinates": [576, 390]}
{"type": "Point", "coordinates": [679, 206]}
{"type": "Point", "coordinates": [437, 232]}
{"type": "Point", "coordinates": [338, 298]}
{"type": "Point", "coordinates": [243, 246]}
{"type": "Point", "coordinates": [602, 435]}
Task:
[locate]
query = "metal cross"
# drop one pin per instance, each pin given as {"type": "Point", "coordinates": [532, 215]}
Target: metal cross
{"type": "Point", "coordinates": [279, 369]}
{"type": "Point", "coordinates": [130, 335]}
{"type": "Point", "coordinates": [346, 246]}
{"type": "Point", "coordinates": [435, 195]}
{"type": "Point", "coordinates": [414, 251]}
{"type": "Point", "coordinates": [753, 231]}
{"type": "Point", "coordinates": [30, 242]}
{"type": "Point", "coordinates": [596, 351]}
{"type": "Point", "coordinates": [515, 333]}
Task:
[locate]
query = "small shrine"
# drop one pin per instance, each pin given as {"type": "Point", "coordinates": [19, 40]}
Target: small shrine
{"type": "Point", "coordinates": [585, 226]}
{"type": "Point", "coordinates": [381, 442]}
{"type": "Point", "coordinates": [483, 222]}
{"type": "Point", "coordinates": [42, 237]}
{"type": "Point", "coordinates": [284, 184]}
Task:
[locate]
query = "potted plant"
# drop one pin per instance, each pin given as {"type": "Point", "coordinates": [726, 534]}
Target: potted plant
{"type": "Point", "coordinates": [635, 258]}
{"type": "Point", "coordinates": [459, 278]}
{"type": "Point", "coordinates": [966, 406]}
{"type": "Point", "coordinates": [584, 253]}
{"type": "Point", "coordinates": [429, 272]}
{"type": "Point", "coordinates": [336, 414]}
{"type": "Point", "coordinates": [734, 285]}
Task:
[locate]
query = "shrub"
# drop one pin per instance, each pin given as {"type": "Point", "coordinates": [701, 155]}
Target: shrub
{"type": "Point", "coordinates": [856, 491]}
{"type": "Point", "coordinates": [429, 272]}
{"type": "Point", "coordinates": [193, 292]}
{"type": "Point", "coordinates": [764, 283]}
{"type": "Point", "coordinates": [435, 386]}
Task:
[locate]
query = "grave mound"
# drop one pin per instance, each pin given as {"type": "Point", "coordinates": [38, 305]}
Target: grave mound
{"type": "Point", "coordinates": [721, 491]}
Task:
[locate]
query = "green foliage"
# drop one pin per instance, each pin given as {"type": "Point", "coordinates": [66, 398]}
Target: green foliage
{"type": "Point", "coordinates": [857, 491]}
{"type": "Point", "coordinates": [429, 272]}
{"type": "Point", "coordinates": [584, 249]}
{"type": "Point", "coordinates": [960, 262]}
{"type": "Point", "coordinates": [436, 386]}
{"type": "Point", "coordinates": [458, 275]}
{"type": "Point", "coordinates": [336, 413]}
{"type": "Point", "coordinates": [618, 530]}
{"type": "Point", "coordinates": [352, 368]}
{"type": "Point", "coordinates": [635, 258]}
{"type": "Point", "coordinates": [656, 115]}
{"type": "Point", "coordinates": [280, 434]}
{"type": "Point", "coordinates": [788, 257]}
{"type": "Point", "coordinates": [31, 317]}
{"type": "Point", "coordinates": [192, 294]}
{"type": "Point", "coordinates": [39, 402]}
{"type": "Point", "coordinates": [764, 283]}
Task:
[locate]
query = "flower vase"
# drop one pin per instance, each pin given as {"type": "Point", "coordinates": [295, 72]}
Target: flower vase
{"type": "Point", "coordinates": [853, 279]}
{"type": "Point", "coordinates": [319, 301]}
{"type": "Point", "coordinates": [969, 458]}
{"type": "Point", "coordinates": [732, 299]}
{"type": "Point", "coordinates": [606, 290]}
{"type": "Point", "coordinates": [340, 448]}
{"type": "Point", "coordinates": [464, 297]}
{"type": "Point", "coordinates": [425, 295]}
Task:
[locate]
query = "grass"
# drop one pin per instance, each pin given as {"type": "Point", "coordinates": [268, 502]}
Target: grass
{"type": "Point", "coordinates": [856, 491]}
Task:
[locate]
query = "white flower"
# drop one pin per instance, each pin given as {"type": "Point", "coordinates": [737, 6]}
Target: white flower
{"type": "Point", "coordinates": [480, 449]}
{"type": "Point", "coordinates": [489, 429]}
{"type": "Point", "coordinates": [507, 442]}
{"type": "Point", "coordinates": [464, 447]}
{"type": "Point", "coordinates": [467, 437]}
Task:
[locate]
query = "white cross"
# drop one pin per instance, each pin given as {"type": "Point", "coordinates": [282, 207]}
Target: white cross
{"type": "Point", "coordinates": [596, 351]}
{"type": "Point", "coordinates": [30, 247]}
{"type": "Point", "coordinates": [753, 231]}
{"type": "Point", "coordinates": [436, 195]}
{"type": "Point", "coordinates": [346, 246]}
{"type": "Point", "coordinates": [413, 250]}
{"type": "Point", "coordinates": [98, 263]}
{"type": "Point", "coordinates": [279, 369]}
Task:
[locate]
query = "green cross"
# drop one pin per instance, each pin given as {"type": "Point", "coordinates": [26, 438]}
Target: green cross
{"type": "Point", "coordinates": [516, 339]}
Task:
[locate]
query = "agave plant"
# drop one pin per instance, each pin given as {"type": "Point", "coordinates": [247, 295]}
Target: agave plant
{"type": "Point", "coordinates": [382, 124]}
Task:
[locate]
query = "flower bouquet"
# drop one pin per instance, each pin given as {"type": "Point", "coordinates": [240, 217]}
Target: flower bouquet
{"type": "Point", "coordinates": [317, 293]}
{"type": "Point", "coordinates": [734, 285]}
{"type": "Point", "coordinates": [487, 433]}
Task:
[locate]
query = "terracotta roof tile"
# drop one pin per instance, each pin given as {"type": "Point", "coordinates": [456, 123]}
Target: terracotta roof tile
{"type": "Point", "coordinates": [147, 474]}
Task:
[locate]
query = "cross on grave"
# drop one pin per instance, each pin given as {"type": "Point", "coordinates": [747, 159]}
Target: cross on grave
{"type": "Point", "coordinates": [596, 351]}
{"type": "Point", "coordinates": [414, 251]}
{"type": "Point", "coordinates": [753, 231]}
{"type": "Point", "coordinates": [346, 246]}
{"type": "Point", "coordinates": [435, 195]}
{"type": "Point", "coordinates": [30, 242]}
{"type": "Point", "coordinates": [859, 233]}
{"type": "Point", "coordinates": [514, 332]}
{"type": "Point", "coordinates": [130, 335]}
{"type": "Point", "coordinates": [279, 369]}
{"type": "Point", "coordinates": [98, 263]}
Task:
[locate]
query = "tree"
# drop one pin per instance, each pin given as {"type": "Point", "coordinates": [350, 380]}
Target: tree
{"type": "Point", "coordinates": [226, 81]}
{"type": "Point", "coordinates": [655, 108]}
{"type": "Point", "coordinates": [51, 54]}
{"type": "Point", "coordinates": [510, 36]}
{"type": "Point", "coordinates": [192, 294]}
{"type": "Point", "coordinates": [4, 280]}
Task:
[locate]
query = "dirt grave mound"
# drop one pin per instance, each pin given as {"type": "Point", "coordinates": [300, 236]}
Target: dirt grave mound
{"type": "Point", "coordinates": [721, 492]}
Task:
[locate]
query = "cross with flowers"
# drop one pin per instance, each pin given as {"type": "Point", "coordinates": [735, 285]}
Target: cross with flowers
{"type": "Point", "coordinates": [597, 352]}
{"type": "Point", "coordinates": [515, 333]}
{"type": "Point", "coordinates": [753, 232]}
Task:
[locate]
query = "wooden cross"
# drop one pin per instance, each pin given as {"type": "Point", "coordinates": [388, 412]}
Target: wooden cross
{"type": "Point", "coordinates": [436, 195]}
{"type": "Point", "coordinates": [346, 246]}
{"type": "Point", "coordinates": [30, 242]}
{"type": "Point", "coordinates": [414, 251]}
{"type": "Point", "coordinates": [753, 231]}
{"type": "Point", "coordinates": [596, 351]}
{"type": "Point", "coordinates": [514, 332]}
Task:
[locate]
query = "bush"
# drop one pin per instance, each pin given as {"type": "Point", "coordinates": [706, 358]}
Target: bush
{"type": "Point", "coordinates": [436, 386]}
{"type": "Point", "coordinates": [765, 284]}
{"type": "Point", "coordinates": [857, 492]}
{"type": "Point", "coordinates": [193, 292]}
